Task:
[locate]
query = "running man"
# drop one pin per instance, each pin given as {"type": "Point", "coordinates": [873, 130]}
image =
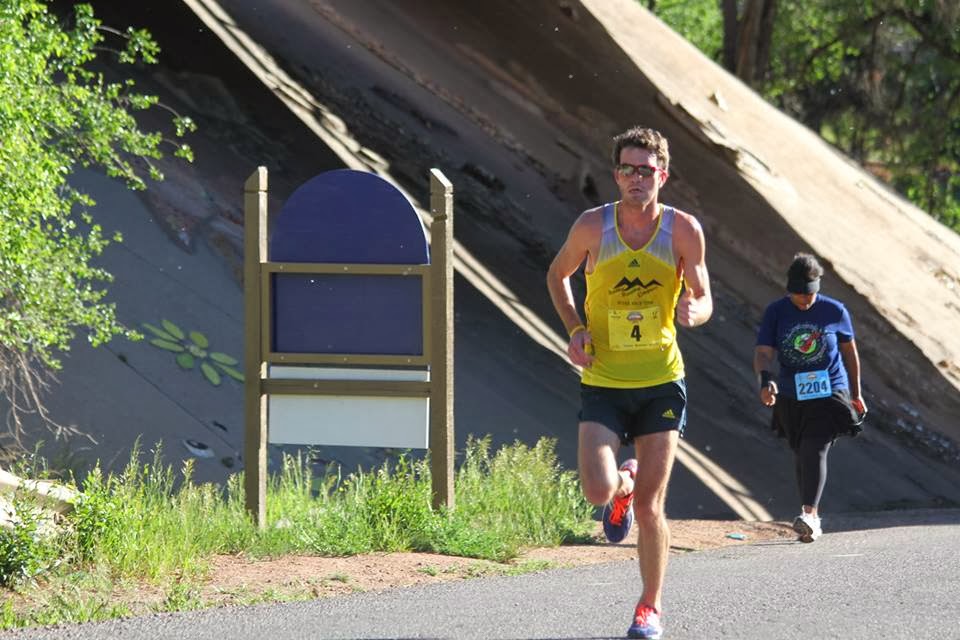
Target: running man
{"type": "Point", "coordinates": [638, 255]}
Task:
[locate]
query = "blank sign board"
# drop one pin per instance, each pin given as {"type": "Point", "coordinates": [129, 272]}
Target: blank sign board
{"type": "Point", "coordinates": [347, 218]}
{"type": "Point", "coordinates": [366, 421]}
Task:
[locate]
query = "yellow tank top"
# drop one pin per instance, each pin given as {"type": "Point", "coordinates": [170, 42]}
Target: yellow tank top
{"type": "Point", "coordinates": [631, 297]}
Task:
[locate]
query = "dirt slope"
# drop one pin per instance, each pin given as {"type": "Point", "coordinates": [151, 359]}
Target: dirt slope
{"type": "Point", "coordinates": [516, 102]}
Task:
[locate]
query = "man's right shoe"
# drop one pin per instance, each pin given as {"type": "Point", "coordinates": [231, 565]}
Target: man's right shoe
{"type": "Point", "coordinates": [807, 527]}
{"type": "Point", "coordinates": [618, 514]}
{"type": "Point", "coordinates": [646, 623]}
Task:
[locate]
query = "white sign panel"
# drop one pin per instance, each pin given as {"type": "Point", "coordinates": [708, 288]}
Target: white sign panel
{"type": "Point", "coordinates": [355, 421]}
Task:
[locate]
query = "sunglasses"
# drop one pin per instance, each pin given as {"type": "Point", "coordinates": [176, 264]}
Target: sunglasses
{"type": "Point", "coordinates": [643, 170]}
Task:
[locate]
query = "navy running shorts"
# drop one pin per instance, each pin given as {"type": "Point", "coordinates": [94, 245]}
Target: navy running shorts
{"type": "Point", "coordinates": [636, 412]}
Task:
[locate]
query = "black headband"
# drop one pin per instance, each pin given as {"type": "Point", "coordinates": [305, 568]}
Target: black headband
{"type": "Point", "coordinates": [802, 285]}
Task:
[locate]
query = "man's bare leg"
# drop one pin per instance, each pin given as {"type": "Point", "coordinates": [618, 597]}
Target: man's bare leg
{"type": "Point", "coordinates": [597, 462]}
{"type": "Point", "coordinates": [655, 453]}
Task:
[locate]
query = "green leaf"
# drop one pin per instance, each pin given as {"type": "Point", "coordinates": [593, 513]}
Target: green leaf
{"type": "Point", "coordinates": [185, 360]}
{"type": "Point", "coordinates": [199, 339]}
{"type": "Point", "coordinates": [223, 358]}
{"type": "Point", "coordinates": [157, 331]}
{"type": "Point", "coordinates": [164, 344]}
{"type": "Point", "coordinates": [210, 374]}
{"type": "Point", "coordinates": [230, 371]}
{"type": "Point", "coordinates": [173, 329]}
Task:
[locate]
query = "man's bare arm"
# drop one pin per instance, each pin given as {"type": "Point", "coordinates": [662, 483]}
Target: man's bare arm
{"type": "Point", "coordinates": [696, 305]}
{"type": "Point", "coordinates": [568, 260]}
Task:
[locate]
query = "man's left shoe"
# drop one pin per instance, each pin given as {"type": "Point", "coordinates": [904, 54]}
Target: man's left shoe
{"type": "Point", "coordinates": [618, 514]}
{"type": "Point", "coordinates": [646, 623]}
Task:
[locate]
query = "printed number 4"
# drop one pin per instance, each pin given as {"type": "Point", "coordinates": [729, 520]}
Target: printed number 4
{"type": "Point", "coordinates": [635, 333]}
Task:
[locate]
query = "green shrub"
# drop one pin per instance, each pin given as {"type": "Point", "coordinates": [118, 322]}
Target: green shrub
{"type": "Point", "coordinates": [27, 549]}
{"type": "Point", "coordinates": [97, 516]}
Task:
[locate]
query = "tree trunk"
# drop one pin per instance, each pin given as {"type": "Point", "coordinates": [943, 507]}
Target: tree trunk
{"type": "Point", "coordinates": [753, 40]}
{"type": "Point", "coordinates": [730, 27]}
{"type": "Point", "coordinates": [764, 39]}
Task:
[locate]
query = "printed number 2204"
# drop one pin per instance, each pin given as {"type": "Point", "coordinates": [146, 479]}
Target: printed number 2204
{"type": "Point", "coordinates": [812, 384]}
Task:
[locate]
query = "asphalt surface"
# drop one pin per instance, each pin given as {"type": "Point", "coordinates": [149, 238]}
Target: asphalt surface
{"type": "Point", "coordinates": [891, 574]}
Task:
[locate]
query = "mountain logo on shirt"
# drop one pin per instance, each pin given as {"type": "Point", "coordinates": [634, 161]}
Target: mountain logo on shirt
{"type": "Point", "coordinates": [634, 263]}
{"type": "Point", "coordinates": [803, 344]}
{"type": "Point", "coordinates": [626, 286]}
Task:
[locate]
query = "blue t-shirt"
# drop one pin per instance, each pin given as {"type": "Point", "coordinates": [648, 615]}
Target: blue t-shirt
{"type": "Point", "coordinates": [807, 340]}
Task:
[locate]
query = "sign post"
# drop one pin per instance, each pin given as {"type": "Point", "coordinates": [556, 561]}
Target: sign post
{"type": "Point", "coordinates": [350, 323]}
{"type": "Point", "coordinates": [441, 373]}
{"type": "Point", "coordinates": [255, 406]}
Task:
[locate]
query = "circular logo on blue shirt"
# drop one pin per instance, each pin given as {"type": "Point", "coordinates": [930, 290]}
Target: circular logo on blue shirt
{"type": "Point", "coordinates": [804, 344]}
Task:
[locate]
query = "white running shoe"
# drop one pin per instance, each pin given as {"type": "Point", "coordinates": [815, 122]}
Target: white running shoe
{"type": "Point", "coordinates": [807, 526]}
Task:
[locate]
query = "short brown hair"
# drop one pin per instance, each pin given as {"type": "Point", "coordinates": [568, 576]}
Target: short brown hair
{"type": "Point", "coordinates": [649, 139]}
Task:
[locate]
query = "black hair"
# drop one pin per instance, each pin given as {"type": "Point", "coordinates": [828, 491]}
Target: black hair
{"type": "Point", "coordinates": [804, 274]}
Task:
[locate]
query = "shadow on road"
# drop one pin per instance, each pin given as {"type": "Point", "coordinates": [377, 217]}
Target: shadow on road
{"type": "Point", "coordinates": [887, 519]}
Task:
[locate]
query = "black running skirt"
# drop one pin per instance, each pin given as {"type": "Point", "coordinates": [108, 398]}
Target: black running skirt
{"type": "Point", "coordinates": [818, 418]}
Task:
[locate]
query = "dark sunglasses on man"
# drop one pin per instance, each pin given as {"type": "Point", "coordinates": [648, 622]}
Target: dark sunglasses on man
{"type": "Point", "coordinates": [643, 170]}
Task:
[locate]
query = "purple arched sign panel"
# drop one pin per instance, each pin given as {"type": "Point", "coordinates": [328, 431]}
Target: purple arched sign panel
{"type": "Point", "coordinates": [348, 217]}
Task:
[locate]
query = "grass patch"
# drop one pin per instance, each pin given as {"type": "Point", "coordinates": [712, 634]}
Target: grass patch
{"type": "Point", "coordinates": [150, 525]}
{"type": "Point", "coordinates": [66, 598]}
{"type": "Point", "coordinates": [483, 569]}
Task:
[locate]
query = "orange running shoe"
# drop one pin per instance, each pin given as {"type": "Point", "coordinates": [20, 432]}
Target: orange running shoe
{"type": "Point", "coordinates": [618, 514]}
{"type": "Point", "coordinates": [646, 623]}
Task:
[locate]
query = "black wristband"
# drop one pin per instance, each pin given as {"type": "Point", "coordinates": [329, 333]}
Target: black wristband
{"type": "Point", "coordinates": [765, 378]}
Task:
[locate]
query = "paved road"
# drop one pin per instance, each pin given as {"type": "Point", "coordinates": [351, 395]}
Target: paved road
{"type": "Point", "coordinates": [884, 575]}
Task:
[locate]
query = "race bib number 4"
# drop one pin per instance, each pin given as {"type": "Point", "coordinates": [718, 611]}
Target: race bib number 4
{"type": "Point", "coordinates": [634, 328]}
{"type": "Point", "coordinates": [812, 384]}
